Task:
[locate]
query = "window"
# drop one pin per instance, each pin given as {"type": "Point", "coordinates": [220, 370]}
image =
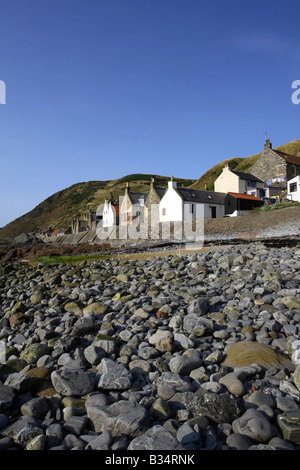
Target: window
{"type": "Point", "coordinates": [252, 184]}
{"type": "Point", "coordinates": [164, 211]}
{"type": "Point", "coordinates": [293, 187]}
{"type": "Point", "coordinates": [280, 170]}
{"type": "Point", "coordinates": [192, 208]}
{"type": "Point", "coordinates": [293, 168]}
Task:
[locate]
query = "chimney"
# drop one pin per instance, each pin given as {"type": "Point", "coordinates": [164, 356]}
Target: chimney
{"type": "Point", "coordinates": [172, 183]}
{"type": "Point", "coordinates": [152, 183]}
{"type": "Point", "coordinates": [127, 188]}
{"type": "Point", "coordinates": [267, 145]}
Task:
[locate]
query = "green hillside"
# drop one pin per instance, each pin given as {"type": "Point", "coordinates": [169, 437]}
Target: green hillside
{"type": "Point", "coordinates": [59, 209]}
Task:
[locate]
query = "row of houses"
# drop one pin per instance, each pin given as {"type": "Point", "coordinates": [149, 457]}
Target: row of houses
{"type": "Point", "coordinates": [274, 175]}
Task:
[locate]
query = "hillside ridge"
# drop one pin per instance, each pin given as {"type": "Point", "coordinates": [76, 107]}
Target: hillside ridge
{"type": "Point", "coordinates": [58, 210]}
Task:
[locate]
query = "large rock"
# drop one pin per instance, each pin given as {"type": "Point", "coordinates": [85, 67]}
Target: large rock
{"type": "Point", "coordinates": [122, 417]}
{"type": "Point", "coordinates": [156, 438]}
{"type": "Point", "coordinates": [183, 365]}
{"type": "Point", "coordinates": [198, 306]}
{"type": "Point", "coordinates": [73, 382]}
{"type": "Point", "coordinates": [199, 326]}
{"type": "Point", "coordinates": [23, 430]}
{"type": "Point", "coordinates": [99, 308]}
{"type": "Point", "coordinates": [254, 425]}
{"type": "Point", "coordinates": [32, 353]}
{"type": "Point", "coordinates": [245, 353]}
{"type": "Point", "coordinates": [220, 408]}
{"type": "Point", "coordinates": [113, 376]}
{"type": "Point", "coordinates": [6, 397]}
{"type": "Point", "coordinates": [162, 340]}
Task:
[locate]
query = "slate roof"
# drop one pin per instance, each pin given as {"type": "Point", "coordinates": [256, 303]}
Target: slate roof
{"type": "Point", "coordinates": [160, 191]}
{"type": "Point", "coordinates": [200, 196]}
{"type": "Point", "coordinates": [134, 197]}
{"type": "Point", "coordinates": [292, 159]}
{"type": "Point", "coordinates": [246, 176]}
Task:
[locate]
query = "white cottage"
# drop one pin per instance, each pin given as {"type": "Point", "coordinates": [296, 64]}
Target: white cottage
{"type": "Point", "coordinates": [178, 204]}
{"type": "Point", "coordinates": [293, 189]}
{"type": "Point", "coordinates": [110, 214]}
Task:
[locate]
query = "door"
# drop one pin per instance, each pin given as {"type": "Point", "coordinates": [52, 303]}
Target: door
{"type": "Point", "coordinates": [213, 212]}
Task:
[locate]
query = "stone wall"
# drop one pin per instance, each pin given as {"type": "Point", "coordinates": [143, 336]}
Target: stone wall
{"type": "Point", "coordinates": [270, 165]}
{"type": "Point", "coordinates": [266, 167]}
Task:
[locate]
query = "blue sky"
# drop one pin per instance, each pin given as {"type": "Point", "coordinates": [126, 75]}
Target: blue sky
{"type": "Point", "coordinates": [98, 89]}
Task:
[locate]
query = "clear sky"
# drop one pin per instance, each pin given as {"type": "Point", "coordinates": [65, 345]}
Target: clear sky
{"type": "Point", "coordinates": [99, 89]}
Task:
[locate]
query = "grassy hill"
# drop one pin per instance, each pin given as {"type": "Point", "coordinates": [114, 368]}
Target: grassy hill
{"type": "Point", "coordinates": [239, 164]}
{"type": "Point", "coordinates": [59, 209]}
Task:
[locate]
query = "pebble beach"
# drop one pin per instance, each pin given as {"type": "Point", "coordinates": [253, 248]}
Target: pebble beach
{"type": "Point", "coordinates": [189, 352]}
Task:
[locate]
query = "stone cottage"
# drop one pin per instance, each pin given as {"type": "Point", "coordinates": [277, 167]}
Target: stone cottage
{"type": "Point", "coordinates": [275, 168]}
{"type": "Point", "coordinates": [132, 207]}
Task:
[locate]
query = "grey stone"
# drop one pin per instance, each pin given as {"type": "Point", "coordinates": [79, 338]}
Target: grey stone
{"type": "Point", "coordinates": [174, 382]}
{"type": "Point", "coordinates": [35, 407]}
{"type": "Point", "coordinates": [187, 435]}
{"type": "Point", "coordinates": [156, 438]}
{"type": "Point", "coordinates": [104, 439]}
{"type": "Point", "coordinates": [75, 424]}
{"type": "Point", "coordinates": [200, 326]}
{"type": "Point", "coordinates": [73, 382]}
{"type": "Point", "coordinates": [54, 434]}
{"type": "Point", "coordinates": [94, 354]}
{"type": "Point", "coordinates": [83, 325]}
{"type": "Point", "coordinates": [238, 442]}
{"type": "Point", "coordinates": [96, 399]}
{"type": "Point", "coordinates": [22, 431]}
{"type": "Point", "coordinates": [233, 383]}
{"type": "Point", "coordinates": [113, 376]}
{"type": "Point", "coordinates": [122, 417]}
{"type": "Point", "coordinates": [255, 425]}
{"type": "Point", "coordinates": [19, 381]}
{"type": "Point", "coordinates": [220, 408]}
{"type": "Point", "coordinates": [198, 306]}
{"type": "Point", "coordinates": [3, 421]}
{"type": "Point", "coordinates": [184, 365]}
{"type": "Point", "coordinates": [6, 397]}
{"type": "Point", "coordinates": [260, 398]}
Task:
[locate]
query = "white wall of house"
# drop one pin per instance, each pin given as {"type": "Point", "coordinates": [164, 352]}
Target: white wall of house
{"type": "Point", "coordinates": [172, 208]}
{"type": "Point", "coordinates": [293, 189]}
{"type": "Point", "coordinates": [171, 205]}
{"type": "Point", "coordinates": [219, 210]}
{"type": "Point", "coordinates": [109, 215]}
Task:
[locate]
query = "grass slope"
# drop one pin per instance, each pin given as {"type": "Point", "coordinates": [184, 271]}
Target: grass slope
{"type": "Point", "coordinates": [59, 209]}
